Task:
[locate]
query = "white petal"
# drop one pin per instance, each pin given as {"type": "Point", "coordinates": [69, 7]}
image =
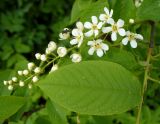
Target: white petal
{"type": "Point", "coordinates": [100, 52]}
{"type": "Point", "coordinates": [138, 36]}
{"type": "Point", "coordinates": [88, 25]}
{"type": "Point", "coordinates": [80, 42]}
{"type": "Point", "coordinates": [73, 41]}
{"type": "Point", "coordinates": [89, 33]}
{"type": "Point", "coordinates": [75, 32]}
{"type": "Point", "coordinates": [105, 47]}
{"type": "Point", "coordinates": [99, 41]}
{"type": "Point", "coordinates": [99, 25]}
{"type": "Point", "coordinates": [96, 32]}
{"type": "Point", "coordinates": [106, 10]}
{"type": "Point", "coordinates": [114, 36]}
{"type": "Point", "coordinates": [120, 23]}
{"type": "Point", "coordinates": [111, 13]}
{"type": "Point", "coordinates": [90, 43]}
{"type": "Point", "coordinates": [91, 51]}
{"type": "Point", "coordinates": [106, 29]}
{"type": "Point", "coordinates": [121, 32]}
{"type": "Point", "coordinates": [94, 20]}
{"type": "Point", "coordinates": [125, 41]}
{"type": "Point", "coordinates": [102, 17]}
{"type": "Point", "coordinates": [133, 44]}
{"type": "Point", "coordinates": [79, 25]}
{"type": "Point", "coordinates": [128, 33]}
{"type": "Point", "coordinates": [110, 21]}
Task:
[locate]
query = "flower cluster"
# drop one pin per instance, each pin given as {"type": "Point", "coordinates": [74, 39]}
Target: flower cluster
{"type": "Point", "coordinates": [93, 31]}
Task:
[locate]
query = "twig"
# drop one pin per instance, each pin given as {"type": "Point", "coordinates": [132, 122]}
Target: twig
{"type": "Point", "coordinates": [151, 45]}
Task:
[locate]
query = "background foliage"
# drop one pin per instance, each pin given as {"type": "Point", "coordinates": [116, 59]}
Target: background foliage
{"type": "Point", "coordinates": [27, 26]}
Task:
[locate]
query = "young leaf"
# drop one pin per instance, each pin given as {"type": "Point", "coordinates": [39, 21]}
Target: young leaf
{"type": "Point", "coordinates": [93, 87]}
{"type": "Point", "coordinates": [9, 105]}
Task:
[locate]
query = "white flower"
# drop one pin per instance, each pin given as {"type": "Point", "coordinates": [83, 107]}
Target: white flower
{"type": "Point", "coordinates": [115, 28]}
{"type": "Point", "coordinates": [21, 83]}
{"type": "Point", "coordinates": [20, 73]}
{"type": "Point", "coordinates": [5, 82]}
{"type": "Point", "coordinates": [37, 70]}
{"type": "Point", "coordinates": [54, 68]}
{"type": "Point", "coordinates": [132, 37]}
{"type": "Point", "coordinates": [76, 57]}
{"type": "Point", "coordinates": [78, 37]}
{"type": "Point", "coordinates": [30, 66]}
{"type": "Point", "coordinates": [106, 17]}
{"type": "Point", "coordinates": [38, 56]}
{"type": "Point", "coordinates": [51, 47]}
{"type": "Point", "coordinates": [65, 34]}
{"type": "Point", "coordinates": [43, 57]}
{"type": "Point", "coordinates": [61, 51]}
{"type": "Point", "coordinates": [10, 87]}
{"type": "Point", "coordinates": [98, 46]}
{"type": "Point", "coordinates": [14, 79]}
{"type": "Point", "coordinates": [25, 72]}
{"type": "Point", "coordinates": [35, 79]}
{"type": "Point", "coordinates": [77, 34]}
{"type": "Point", "coordinates": [131, 21]}
{"type": "Point", "coordinates": [94, 27]}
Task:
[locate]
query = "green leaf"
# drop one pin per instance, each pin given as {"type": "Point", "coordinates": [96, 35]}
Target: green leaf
{"type": "Point", "coordinates": [83, 9]}
{"type": "Point", "coordinates": [10, 105]}
{"type": "Point", "coordinates": [21, 48]}
{"type": "Point", "coordinates": [55, 114]}
{"type": "Point", "coordinates": [93, 87]}
{"type": "Point", "coordinates": [124, 9]}
{"type": "Point", "coordinates": [122, 57]}
{"type": "Point", "coordinates": [149, 10]}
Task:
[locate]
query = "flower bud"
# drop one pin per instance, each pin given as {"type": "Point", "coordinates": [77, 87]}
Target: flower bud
{"type": "Point", "coordinates": [21, 83]}
{"type": "Point", "coordinates": [76, 57]}
{"type": "Point", "coordinates": [5, 82]}
{"type": "Point", "coordinates": [54, 68]}
{"type": "Point", "coordinates": [14, 79]}
{"type": "Point", "coordinates": [37, 70]}
{"type": "Point", "coordinates": [38, 56]}
{"type": "Point", "coordinates": [43, 57]}
{"type": "Point", "coordinates": [35, 79]}
{"type": "Point", "coordinates": [20, 73]}
{"type": "Point", "coordinates": [30, 66]}
{"type": "Point", "coordinates": [10, 82]}
{"type": "Point", "coordinates": [62, 51]}
{"type": "Point", "coordinates": [25, 72]}
{"type": "Point", "coordinates": [10, 87]}
{"type": "Point", "coordinates": [131, 21]}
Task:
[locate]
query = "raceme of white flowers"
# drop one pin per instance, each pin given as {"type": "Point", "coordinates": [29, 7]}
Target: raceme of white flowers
{"type": "Point", "coordinates": [91, 30]}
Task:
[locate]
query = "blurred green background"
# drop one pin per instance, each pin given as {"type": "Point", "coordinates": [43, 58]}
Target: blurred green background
{"type": "Point", "coordinates": [27, 25]}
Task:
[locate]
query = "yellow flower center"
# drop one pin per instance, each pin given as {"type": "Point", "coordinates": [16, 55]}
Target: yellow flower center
{"type": "Point", "coordinates": [114, 28]}
{"type": "Point", "coordinates": [94, 27]}
{"type": "Point", "coordinates": [106, 17]}
{"type": "Point", "coordinates": [97, 45]}
{"type": "Point", "coordinates": [131, 37]}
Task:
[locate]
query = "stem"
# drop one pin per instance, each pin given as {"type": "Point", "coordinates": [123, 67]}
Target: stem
{"type": "Point", "coordinates": [146, 72]}
{"type": "Point", "coordinates": [154, 80]}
